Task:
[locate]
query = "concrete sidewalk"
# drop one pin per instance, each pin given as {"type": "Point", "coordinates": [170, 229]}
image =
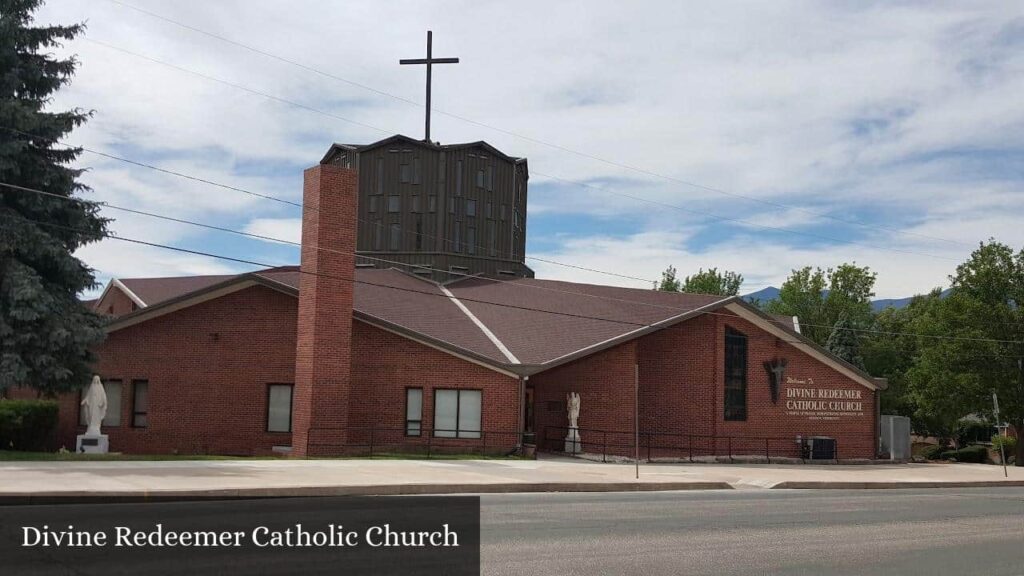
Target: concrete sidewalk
{"type": "Point", "coordinates": [43, 481]}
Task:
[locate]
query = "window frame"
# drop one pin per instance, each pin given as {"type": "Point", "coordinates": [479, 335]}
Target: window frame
{"type": "Point", "coordinates": [407, 420]}
{"type": "Point", "coordinates": [733, 411]}
{"type": "Point", "coordinates": [458, 412]}
{"type": "Point", "coordinates": [394, 236]}
{"type": "Point", "coordinates": [135, 403]}
{"type": "Point", "coordinates": [394, 204]}
{"type": "Point", "coordinates": [291, 406]}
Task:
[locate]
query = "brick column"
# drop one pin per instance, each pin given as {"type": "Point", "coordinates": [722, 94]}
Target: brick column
{"type": "Point", "coordinates": [323, 364]}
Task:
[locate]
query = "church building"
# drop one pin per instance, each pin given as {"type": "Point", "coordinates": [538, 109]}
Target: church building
{"type": "Point", "coordinates": [413, 324]}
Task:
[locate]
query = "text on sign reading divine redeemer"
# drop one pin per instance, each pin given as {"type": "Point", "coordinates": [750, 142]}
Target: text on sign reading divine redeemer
{"type": "Point", "coordinates": [823, 400]}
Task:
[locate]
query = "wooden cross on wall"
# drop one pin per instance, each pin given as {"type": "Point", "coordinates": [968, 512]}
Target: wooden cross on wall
{"type": "Point", "coordinates": [429, 61]}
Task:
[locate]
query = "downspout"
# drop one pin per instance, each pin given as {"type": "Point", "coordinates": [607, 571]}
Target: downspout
{"type": "Point", "coordinates": [522, 413]}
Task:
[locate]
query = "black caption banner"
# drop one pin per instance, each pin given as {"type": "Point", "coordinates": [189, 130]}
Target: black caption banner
{"type": "Point", "coordinates": [331, 535]}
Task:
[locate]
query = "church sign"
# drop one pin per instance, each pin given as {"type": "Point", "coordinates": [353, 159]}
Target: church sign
{"type": "Point", "coordinates": [805, 399]}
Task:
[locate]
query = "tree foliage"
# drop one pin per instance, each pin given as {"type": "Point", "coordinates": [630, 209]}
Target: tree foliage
{"type": "Point", "coordinates": [710, 281]}
{"type": "Point", "coordinates": [46, 333]}
{"type": "Point", "coordinates": [844, 342]}
{"type": "Point", "coordinates": [820, 298]}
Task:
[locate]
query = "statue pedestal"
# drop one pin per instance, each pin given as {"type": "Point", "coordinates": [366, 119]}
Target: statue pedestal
{"type": "Point", "coordinates": [572, 442]}
{"type": "Point", "coordinates": [86, 444]}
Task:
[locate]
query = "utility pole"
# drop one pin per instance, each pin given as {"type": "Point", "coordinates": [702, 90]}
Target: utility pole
{"type": "Point", "coordinates": [1002, 446]}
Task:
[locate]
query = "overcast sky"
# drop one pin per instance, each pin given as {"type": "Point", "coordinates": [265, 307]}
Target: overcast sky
{"type": "Point", "coordinates": [770, 135]}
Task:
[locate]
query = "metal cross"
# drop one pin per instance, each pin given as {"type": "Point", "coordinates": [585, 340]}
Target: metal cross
{"type": "Point", "coordinates": [429, 61]}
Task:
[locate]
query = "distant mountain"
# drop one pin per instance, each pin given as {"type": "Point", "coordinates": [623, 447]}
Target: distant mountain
{"type": "Point", "coordinates": [763, 295]}
{"type": "Point", "coordinates": [771, 293]}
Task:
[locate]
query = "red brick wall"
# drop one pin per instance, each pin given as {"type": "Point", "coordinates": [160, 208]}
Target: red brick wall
{"type": "Point", "coordinates": [385, 364]}
{"type": "Point", "coordinates": [682, 393]}
{"type": "Point", "coordinates": [323, 371]}
{"type": "Point", "coordinates": [208, 368]}
{"type": "Point", "coordinates": [605, 383]}
{"type": "Point", "coordinates": [115, 303]}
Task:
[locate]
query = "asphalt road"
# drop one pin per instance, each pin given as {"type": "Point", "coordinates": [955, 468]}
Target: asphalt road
{"type": "Point", "coordinates": [876, 532]}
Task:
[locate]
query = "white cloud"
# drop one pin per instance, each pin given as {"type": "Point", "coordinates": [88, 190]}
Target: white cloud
{"type": "Point", "coordinates": [902, 115]}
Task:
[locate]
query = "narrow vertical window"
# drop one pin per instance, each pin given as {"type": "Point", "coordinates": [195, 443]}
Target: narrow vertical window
{"type": "Point", "coordinates": [492, 237]}
{"type": "Point", "coordinates": [432, 204]}
{"type": "Point", "coordinates": [394, 204]}
{"type": "Point", "coordinates": [457, 237]}
{"type": "Point", "coordinates": [405, 173]}
{"type": "Point", "coordinates": [380, 175]}
{"type": "Point", "coordinates": [471, 240]}
{"type": "Point", "coordinates": [470, 207]}
{"type": "Point", "coordinates": [374, 203]}
{"type": "Point", "coordinates": [419, 232]}
{"type": "Point", "coordinates": [279, 407]}
{"type": "Point", "coordinates": [140, 403]}
{"type": "Point", "coordinates": [480, 178]}
{"type": "Point", "coordinates": [416, 171]}
{"type": "Point", "coordinates": [735, 375]}
{"type": "Point", "coordinates": [413, 411]}
{"type": "Point", "coordinates": [458, 178]}
{"type": "Point", "coordinates": [416, 204]}
{"type": "Point", "coordinates": [378, 235]}
{"type": "Point", "coordinates": [451, 205]}
{"type": "Point", "coordinates": [490, 178]}
{"type": "Point", "coordinates": [395, 237]}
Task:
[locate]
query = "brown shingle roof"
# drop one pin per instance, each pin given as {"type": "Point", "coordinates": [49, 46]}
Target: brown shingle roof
{"type": "Point", "coordinates": [537, 321]}
{"type": "Point", "coordinates": [155, 290]}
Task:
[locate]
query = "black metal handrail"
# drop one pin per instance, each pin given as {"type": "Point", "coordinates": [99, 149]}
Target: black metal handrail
{"type": "Point", "coordinates": [709, 445]}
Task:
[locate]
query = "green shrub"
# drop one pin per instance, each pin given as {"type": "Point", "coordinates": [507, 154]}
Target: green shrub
{"type": "Point", "coordinates": [972, 431]}
{"type": "Point", "coordinates": [976, 454]}
{"type": "Point", "coordinates": [1009, 443]}
{"type": "Point", "coordinates": [934, 452]}
{"type": "Point", "coordinates": [27, 424]}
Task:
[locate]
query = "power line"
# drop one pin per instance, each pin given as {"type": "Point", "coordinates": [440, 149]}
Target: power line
{"type": "Point", "coordinates": [690, 210]}
{"type": "Point", "coordinates": [256, 263]}
{"type": "Point", "coordinates": [778, 205]}
{"type": "Point", "coordinates": [282, 200]}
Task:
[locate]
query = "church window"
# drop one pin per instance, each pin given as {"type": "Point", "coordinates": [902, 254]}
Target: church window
{"type": "Point", "coordinates": [432, 204]}
{"type": "Point", "coordinates": [480, 178]}
{"type": "Point", "coordinates": [489, 210]}
{"type": "Point", "coordinates": [405, 173]}
{"type": "Point", "coordinates": [457, 237]}
{"type": "Point", "coordinates": [470, 207]}
{"type": "Point", "coordinates": [416, 204]}
{"type": "Point", "coordinates": [735, 375]}
{"type": "Point", "coordinates": [113, 417]}
{"type": "Point", "coordinates": [490, 178]}
{"type": "Point", "coordinates": [374, 203]}
{"type": "Point", "coordinates": [378, 235]}
{"type": "Point", "coordinates": [395, 237]}
{"type": "Point", "coordinates": [140, 403]}
{"type": "Point", "coordinates": [413, 411]}
{"type": "Point", "coordinates": [394, 204]}
{"type": "Point", "coordinates": [457, 413]}
{"type": "Point", "coordinates": [451, 205]}
{"type": "Point", "coordinates": [279, 407]}
{"type": "Point", "coordinates": [471, 240]}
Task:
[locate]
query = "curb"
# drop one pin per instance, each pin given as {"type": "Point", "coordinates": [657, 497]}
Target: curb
{"type": "Point", "coordinates": [798, 485]}
{"type": "Point", "coordinates": [91, 497]}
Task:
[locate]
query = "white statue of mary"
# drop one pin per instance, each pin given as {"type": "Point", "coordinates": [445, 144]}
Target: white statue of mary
{"type": "Point", "coordinates": [95, 402]}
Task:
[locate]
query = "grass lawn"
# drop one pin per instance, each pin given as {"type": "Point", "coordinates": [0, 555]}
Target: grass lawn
{"type": "Point", "coordinates": [15, 456]}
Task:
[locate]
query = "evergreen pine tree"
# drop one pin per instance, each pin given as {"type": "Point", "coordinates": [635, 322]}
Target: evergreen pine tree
{"type": "Point", "coordinates": [45, 332]}
{"type": "Point", "coordinates": [844, 343]}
